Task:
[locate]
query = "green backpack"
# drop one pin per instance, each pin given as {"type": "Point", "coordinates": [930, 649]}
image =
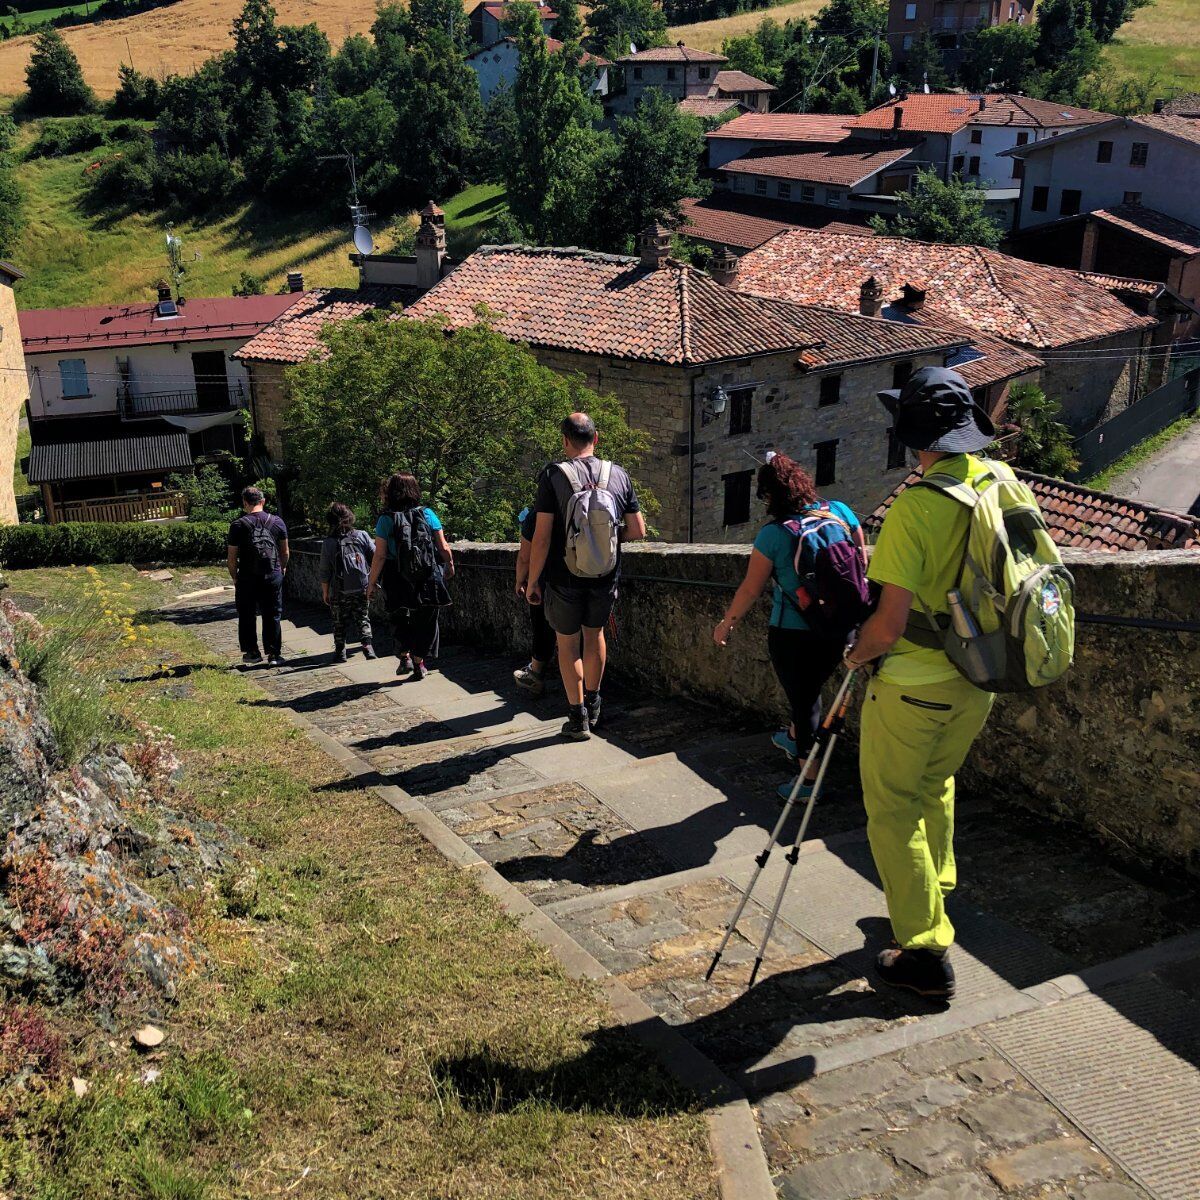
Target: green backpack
{"type": "Point", "coordinates": [1014, 629]}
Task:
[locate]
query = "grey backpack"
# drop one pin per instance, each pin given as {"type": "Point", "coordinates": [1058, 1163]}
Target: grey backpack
{"type": "Point", "coordinates": [591, 520]}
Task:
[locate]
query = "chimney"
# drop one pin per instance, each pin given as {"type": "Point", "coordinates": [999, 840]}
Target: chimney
{"type": "Point", "coordinates": [723, 266]}
{"type": "Point", "coordinates": [912, 297]}
{"type": "Point", "coordinates": [295, 281]}
{"type": "Point", "coordinates": [982, 103]}
{"type": "Point", "coordinates": [431, 246]}
{"type": "Point", "coordinates": [654, 245]}
{"type": "Point", "coordinates": [164, 290]}
{"type": "Point", "coordinates": [870, 298]}
{"type": "Point", "coordinates": [897, 116]}
{"type": "Point", "coordinates": [1159, 105]}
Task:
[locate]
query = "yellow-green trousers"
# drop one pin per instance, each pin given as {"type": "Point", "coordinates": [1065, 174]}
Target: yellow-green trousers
{"type": "Point", "coordinates": [913, 740]}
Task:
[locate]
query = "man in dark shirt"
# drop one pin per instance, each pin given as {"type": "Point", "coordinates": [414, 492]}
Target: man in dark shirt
{"type": "Point", "coordinates": [258, 558]}
{"type": "Point", "coordinates": [574, 602]}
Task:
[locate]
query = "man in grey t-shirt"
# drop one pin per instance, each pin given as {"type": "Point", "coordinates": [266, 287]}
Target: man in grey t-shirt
{"type": "Point", "coordinates": [574, 603]}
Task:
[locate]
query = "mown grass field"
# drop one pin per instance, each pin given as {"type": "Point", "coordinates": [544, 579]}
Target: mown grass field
{"type": "Point", "coordinates": [72, 255]}
{"type": "Point", "coordinates": [338, 1043]}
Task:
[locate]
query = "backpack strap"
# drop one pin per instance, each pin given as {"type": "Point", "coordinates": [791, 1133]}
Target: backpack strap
{"type": "Point", "coordinates": [605, 475]}
{"type": "Point", "coordinates": [577, 483]}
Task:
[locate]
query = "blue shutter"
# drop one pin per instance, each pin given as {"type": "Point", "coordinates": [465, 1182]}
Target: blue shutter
{"type": "Point", "coordinates": [74, 377]}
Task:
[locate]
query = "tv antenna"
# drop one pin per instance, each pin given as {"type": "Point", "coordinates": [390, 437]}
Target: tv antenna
{"type": "Point", "coordinates": [364, 243]}
{"type": "Point", "coordinates": [175, 259]}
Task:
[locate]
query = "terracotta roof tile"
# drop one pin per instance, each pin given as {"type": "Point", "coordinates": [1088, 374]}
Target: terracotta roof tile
{"type": "Point", "coordinates": [741, 224]}
{"type": "Point", "coordinates": [294, 335]}
{"type": "Point", "coordinates": [1187, 128]}
{"type": "Point", "coordinates": [740, 81]}
{"type": "Point", "coordinates": [707, 106]}
{"type": "Point", "coordinates": [986, 360]}
{"type": "Point", "coordinates": [1187, 104]}
{"type": "Point", "coordinates": [846, 163]}
{"type": "Point", "coordinates": [946, 112]}
{"type": "Point", "coordinates": [1041, 114]}
{"type": "Point", "coordinates": [678, 53]}
{"type": "Point", "coordinates": [1119, 285]}
{"type": "Point", "coordinates": [1027, 303]}
{"type": "Point", "coordinates": [1153, 225]}
{"type": "Point", "coordinates": [785, 127]}
{"type": "Point", "coordinates": [1078, 516]}
{"type": "Point", "coordinates": [608, 304]}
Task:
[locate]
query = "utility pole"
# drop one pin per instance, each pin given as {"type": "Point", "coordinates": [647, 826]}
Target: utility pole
{"type": "Point", "coordinates": [874, 66]}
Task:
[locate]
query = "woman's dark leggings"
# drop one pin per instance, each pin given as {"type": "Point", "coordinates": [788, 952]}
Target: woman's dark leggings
{"type": "Point", "coordinates": [544, 642]}
{"type": "Point", "coordinates": [803, 661]}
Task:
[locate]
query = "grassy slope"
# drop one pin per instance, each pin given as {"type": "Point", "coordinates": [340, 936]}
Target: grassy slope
{"type": "Point", "coordinates": [373, 1026]}
{"type": "Point", "coordinates": [1163, 38]}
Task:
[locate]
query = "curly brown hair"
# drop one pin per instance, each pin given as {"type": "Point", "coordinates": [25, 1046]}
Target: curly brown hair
{"type": "Point", "coordinates": [400, 491]}
{"type": "Point", "coordinates": [786, 487]}
{"type": "Point", "coordinates": [340, 518]}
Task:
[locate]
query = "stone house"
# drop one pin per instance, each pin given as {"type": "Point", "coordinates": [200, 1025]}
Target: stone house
{"type": "Point", "coordinates": [121, 396]}
{"type": "Point", "coordinates": [715, 378]}
{"type": "Point", "coordinates": [14, 389]}
{"type": "Point", "coordinates": [495, 66]}
{"type": "Point", "coordinates": [1086, 346]}
{"type": "Point", "coordinates": [693, 78]}
{"type": "Point", "coordinates": [487, 22]}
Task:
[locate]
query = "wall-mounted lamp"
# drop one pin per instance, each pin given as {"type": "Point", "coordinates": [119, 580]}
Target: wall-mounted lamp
{"type": "Point", "coordinates": [715, 403]}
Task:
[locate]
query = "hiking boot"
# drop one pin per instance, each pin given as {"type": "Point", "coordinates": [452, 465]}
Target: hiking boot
{"type": "Point", "coordinates": [591, 702]}
{"type": "Point", "coordinates": [405, 665]}
{"type": "Point", "coordinates": [252, 660]}
{"type": "Point", "coordinates": [339, 654]}
{"type": "Point", "coordinates": [276, 660]}
{"type": "Point", "coordinates": [784, 791]}
{"type": "Point", "coordinates": [420, 670]}
{"type": "Point", "coordinates": [534, 682]}
{"type": "Point", "coordinates": [783, 740]}
{"type": "Point", "coordinates": [576, 728]}
{"type": "Point", "coordinates": [369, 650]}
{"type": "Point", "coordinates": [922, 971]}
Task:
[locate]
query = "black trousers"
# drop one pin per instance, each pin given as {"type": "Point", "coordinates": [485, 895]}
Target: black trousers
{"type": "Point", "coordinates": [415, 631]}
{"type": "Point", "coordinates": [803, 661]}
{"type": "Point", "coordinates": [544, 641]}
{"type": "Point", "coordinates": [255, 594]}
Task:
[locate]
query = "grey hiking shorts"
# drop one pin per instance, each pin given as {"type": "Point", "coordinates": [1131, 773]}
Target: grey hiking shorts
{"type": "Point", "coordinates": [568, 608]}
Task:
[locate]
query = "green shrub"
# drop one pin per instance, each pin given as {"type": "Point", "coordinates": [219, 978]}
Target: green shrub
{"type": "Point", "coordinates": [81, 544]}
{"type": "Point", "coordinates": [68, 137]}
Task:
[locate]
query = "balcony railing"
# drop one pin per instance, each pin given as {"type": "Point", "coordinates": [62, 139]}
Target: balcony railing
{"type": "Point", "coordinates": [146, 506]}
{"type": "Point", "coordinates": [224, 398]}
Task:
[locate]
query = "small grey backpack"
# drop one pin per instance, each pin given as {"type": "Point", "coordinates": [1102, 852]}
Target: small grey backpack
{"type": "Point", "coordinates": [591, 519]}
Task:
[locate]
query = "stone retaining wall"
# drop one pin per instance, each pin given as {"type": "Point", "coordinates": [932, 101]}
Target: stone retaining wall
{"type": "Point", "coordinates": [1115, 747]}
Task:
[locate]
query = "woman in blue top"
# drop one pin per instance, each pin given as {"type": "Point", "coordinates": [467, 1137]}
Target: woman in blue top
{"type": "Point", "coordinates": [413, 610]}
{"type": "Point", "coordinates": [803, 659]}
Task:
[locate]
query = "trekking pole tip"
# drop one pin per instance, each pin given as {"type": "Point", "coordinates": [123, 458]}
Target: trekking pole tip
{"type": "Point", "coordinates": [754, 973]}
{"type": "Point", "coordinates": [712, 966]}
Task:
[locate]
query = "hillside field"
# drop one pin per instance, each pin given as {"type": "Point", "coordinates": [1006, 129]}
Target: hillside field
{"type": "Point", "coordinates": [74, 256]}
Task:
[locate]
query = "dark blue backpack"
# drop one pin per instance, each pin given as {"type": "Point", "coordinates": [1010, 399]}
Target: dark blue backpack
{"type": "Point", "coordinates": [833, 596]}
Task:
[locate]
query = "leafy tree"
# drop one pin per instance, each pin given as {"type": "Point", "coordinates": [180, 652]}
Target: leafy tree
{"type": "Point", "coordinates": [760, 53]}
{"type": "Point", "coordinates": [1002, 54]}
{"type": "Point", "coordinates": [925, 63]}
{"type": "Point", "coordinates": [1044, 444]}
{"type": "Point", "coordinates": [614, 24]}
{"type": "Point", "coordinates": [208, 491]}
{"type": "Point", "coordinates": [355, 66]}
{"type": "Point", "coordinates": [1109, 15]}
{"type": "Point", "coordinates": [1067, 48]}
{"type": "Point", "coordinates": [499, 133]}
{"type": "Point", "coordinates": [444, 18]}
{"type": "Point", "coordinates": [10, 191]}
{"type": "Point", "coordinates": [136, 94]}
{"type": "Point", "coordinates": [937, 211]}
{"type": "Point", "coordinates": [568, 28]}
{"type": "Point", "coordinates": [54, 79]}
{"type": "Point", "coordinates": [248, 285]}
{"type": "Point", "coordinates": [659, 149]}
{"type": "Point", "coordinates": [558, 159]}
{"type": "Point", "coordinates": [1123, 95]}
{"type": "Point", "coordinates": [847, 100]}
{"type": "Point", "coordinates": [472, 415]}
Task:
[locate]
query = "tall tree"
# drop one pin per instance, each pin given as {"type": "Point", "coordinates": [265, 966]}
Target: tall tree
{"type": "Point", "coordinates": [1109, 15]}
{"type": "Point", "coordinates": [936, 211]}
{"type": "Point", "coordinates": [1005, 55]}
{"type": "Point", "coordinates": [471, 415]}
{"type": "Point", "coordinates": [925, 63]}
{"type": "Point", "coordinates": [559, 159]}
{"type": "Point", "coordinates": [569, 27]}
{"type": "Point", "coordinates": [10, 192]}
{"type": "Point", "coordinates": [54, 79]}
{"type": "Point", "coordinates": [1067, 47]}
{"type": "Point", "coordinates": [659, 149]}
{"type": "Point", "coordinates": [615, 24]}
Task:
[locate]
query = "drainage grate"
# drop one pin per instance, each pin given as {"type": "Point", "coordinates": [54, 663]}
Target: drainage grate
{"type": "Point", "coordinates": [1121, 1064]}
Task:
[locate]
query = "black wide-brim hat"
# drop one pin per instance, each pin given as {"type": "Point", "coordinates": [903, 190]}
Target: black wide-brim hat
{"type": "Point", "coordinates": [935, 411]}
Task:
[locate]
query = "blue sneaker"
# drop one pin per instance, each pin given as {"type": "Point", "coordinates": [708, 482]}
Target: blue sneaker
{"type": "Point", "coordinates": [784, 791]}
{"type": "Point", "coordinates": [785, 744]}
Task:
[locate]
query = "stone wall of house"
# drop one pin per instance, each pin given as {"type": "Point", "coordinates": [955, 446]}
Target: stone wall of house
{"type": "Point", "coordinates": [1114, 747]}
{"type": "Point", "coordinates": [267, 404]}
{"type": "Point", "coordinates": [14, 391]}
{"type": "Point", "coordinates": [1096, 384]}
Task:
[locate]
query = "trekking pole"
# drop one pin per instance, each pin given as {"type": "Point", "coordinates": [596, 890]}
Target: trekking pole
{"type": "Point", "coordinates": [833, 725]}
{"type": "Point", "coordinates": [761, 860]}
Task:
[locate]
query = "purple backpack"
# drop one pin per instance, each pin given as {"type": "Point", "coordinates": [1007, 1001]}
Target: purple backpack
{"type": "Point", "coordinates": [833, 596]}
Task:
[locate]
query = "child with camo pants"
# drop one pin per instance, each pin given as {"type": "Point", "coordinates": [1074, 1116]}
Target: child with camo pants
{"type": "Point", "coordinates": [345, 569]}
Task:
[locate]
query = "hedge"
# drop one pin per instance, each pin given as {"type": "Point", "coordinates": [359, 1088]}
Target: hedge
{"type": "Point", "coordinates": [78, 544]}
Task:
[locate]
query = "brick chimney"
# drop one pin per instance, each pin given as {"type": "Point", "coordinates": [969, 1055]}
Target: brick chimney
{"type": "Point", "coordinates": [164, 290]}
{"type": "Point", "coordinates": [870, 297]}
{"type": "Point", "coordinates": [295, 281]}
{"type": "Point", "coordinates": [431, 245]}
{"type": "Point", "coordinates": [898, 117]}
{"type": "Point", "coordinates": [1159, 105]}
{"type": "Point", "coordinates": [654, 245]}
{"type": "Point", "coordinates": [912, 297]}
{"type": "Point", "coordinates": [723, 265]}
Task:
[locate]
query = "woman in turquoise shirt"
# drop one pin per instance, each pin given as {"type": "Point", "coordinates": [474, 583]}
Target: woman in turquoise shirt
{"type": "Point", "coordinates": [803, 659]}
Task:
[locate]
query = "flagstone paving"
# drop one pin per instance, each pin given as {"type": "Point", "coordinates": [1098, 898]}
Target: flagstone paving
{"type": "Point", "coordinates": [1063, 1071]}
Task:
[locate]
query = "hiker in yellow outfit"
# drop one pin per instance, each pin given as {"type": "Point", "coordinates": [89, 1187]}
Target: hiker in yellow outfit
{"type": "Point", "coordinates": [920, 715]}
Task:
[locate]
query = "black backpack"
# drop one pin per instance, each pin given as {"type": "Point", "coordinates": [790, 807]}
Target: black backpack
{"type": "Point", "coordinates": [416, 560]}
{"type": "Point", "coordinates": [263, 548]}
{"type": "Point", "coordinates": [352, 565]}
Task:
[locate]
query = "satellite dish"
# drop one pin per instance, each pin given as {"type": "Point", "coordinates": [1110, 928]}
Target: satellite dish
{"type": "Point", "coordinates": [364, 243]}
